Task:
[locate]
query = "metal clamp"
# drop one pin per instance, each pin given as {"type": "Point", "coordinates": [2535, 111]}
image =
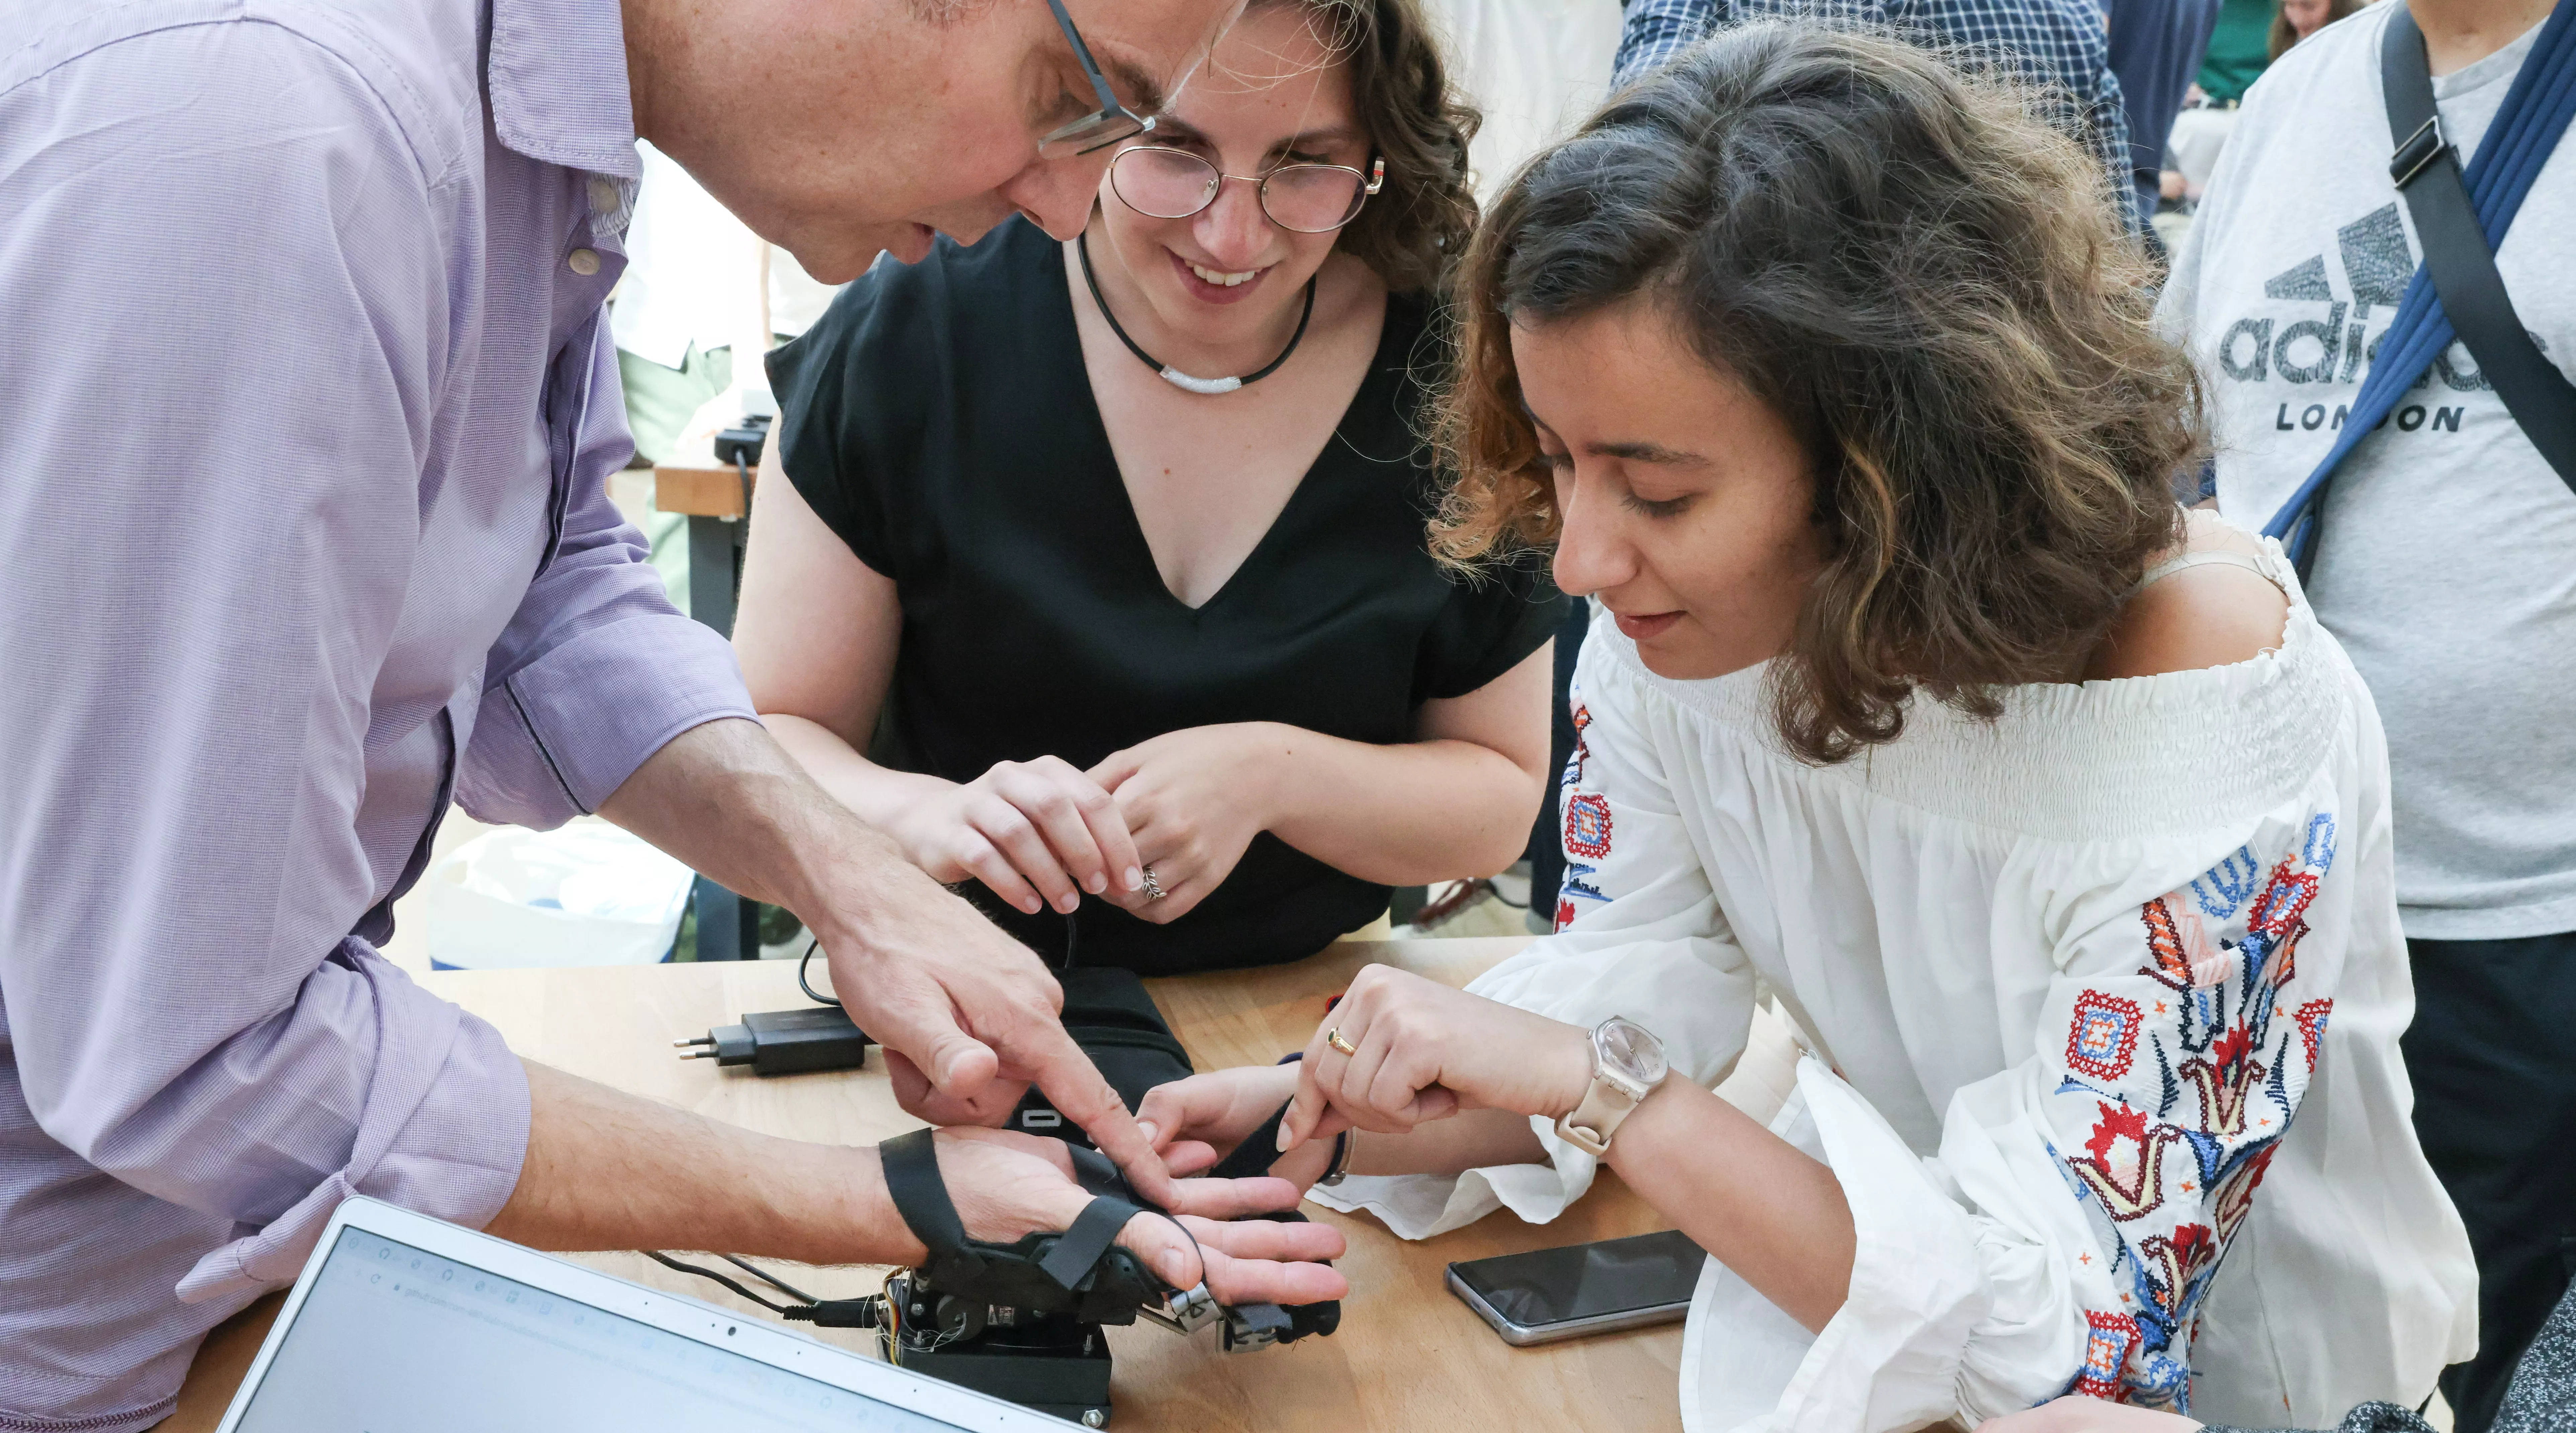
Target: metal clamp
{"type": "Point", "coordinates": [2421, 148]}
{"type": "Point", "coordinates": [1186, 1311]}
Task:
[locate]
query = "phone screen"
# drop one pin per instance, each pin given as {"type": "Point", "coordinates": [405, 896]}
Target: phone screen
{"type": "Point", "coordinates": [1582, 1281]}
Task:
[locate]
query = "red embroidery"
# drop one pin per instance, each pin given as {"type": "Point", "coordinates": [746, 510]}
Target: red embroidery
{"type": "Point", "coordinates": [1564, 913]}
{"type": "Point", "coordinates": [2312, 1027]}
{"type": "Point", "coordinates": [2103, 1036]}
{"type": "Point", "coordinates": [2233, 1199]}
{"type": "Point", "coordinates": [2107, 1342]}
{"type": "Point", "coordinates": [1587, 826]}
{"type": "Point", "coordinates": [2124, 1161]}
{"type": "Point", "coordinates": [2285, 897]}
{"type": "Point", "coordinates": [2224, 1079]}
{"type": "Point", "coordinates": [2173, 1263]}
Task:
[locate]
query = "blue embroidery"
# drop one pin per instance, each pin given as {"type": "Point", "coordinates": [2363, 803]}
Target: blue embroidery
{"type": "Point", "coordinates": [2319, 852]}
{"type": "Point", "coordinates": [2225, 886]}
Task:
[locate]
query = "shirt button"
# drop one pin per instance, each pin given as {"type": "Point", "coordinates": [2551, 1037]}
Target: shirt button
{"type": "Point", "coordinates": [603, 195]}
{"type": "Point", "coordinates": [584, 262]}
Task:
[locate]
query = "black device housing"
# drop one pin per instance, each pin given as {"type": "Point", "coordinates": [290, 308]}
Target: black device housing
{"type": "Point", "coordinates": [977, 1327]}
{"type": "Point", "coordinates": [1054, 1363]}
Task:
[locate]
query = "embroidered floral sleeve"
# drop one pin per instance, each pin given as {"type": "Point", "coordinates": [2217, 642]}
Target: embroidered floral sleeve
{"type": "Point", "coordinates": [2179, 1076]}
{"type": "Point", "coordinates": [2066, 1236]}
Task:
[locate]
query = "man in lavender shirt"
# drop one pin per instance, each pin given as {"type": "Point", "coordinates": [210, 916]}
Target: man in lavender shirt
{"type": "Point", "coordinates": [308, 411]}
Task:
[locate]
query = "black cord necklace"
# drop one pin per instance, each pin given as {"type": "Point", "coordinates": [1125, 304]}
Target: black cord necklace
{"type": "Point", "coordinates": [1178, 379]}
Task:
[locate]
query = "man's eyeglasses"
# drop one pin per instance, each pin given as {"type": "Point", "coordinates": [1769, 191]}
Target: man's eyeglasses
{"type": "Point", "coordinates": [1101, 128]}
{"type": "Point", "coordinates": [1168, 183]}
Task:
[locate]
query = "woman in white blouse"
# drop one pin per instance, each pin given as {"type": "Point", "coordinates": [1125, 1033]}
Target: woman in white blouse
{"type": "Point", "coordinates": [2057, 824]}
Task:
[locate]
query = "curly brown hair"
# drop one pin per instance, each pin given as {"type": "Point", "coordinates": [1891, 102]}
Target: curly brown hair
{"type": "Point", "coordinates": [1931, 288]}
{"type": "Point", "coordinates": [1413, 231]}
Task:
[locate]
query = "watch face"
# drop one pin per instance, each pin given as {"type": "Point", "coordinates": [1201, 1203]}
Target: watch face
{"type": "Point", "coordinates": [1632, 1051]}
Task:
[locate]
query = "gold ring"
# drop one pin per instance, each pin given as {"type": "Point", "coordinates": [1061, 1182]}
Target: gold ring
{"type": "Point", "coordinates": [1333, 1037]}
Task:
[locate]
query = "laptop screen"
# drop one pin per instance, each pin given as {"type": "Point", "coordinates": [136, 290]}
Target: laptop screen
{"type": "Point", "coordinates": [394, 1339]}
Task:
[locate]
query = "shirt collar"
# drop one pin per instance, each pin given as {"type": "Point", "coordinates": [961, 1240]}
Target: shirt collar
{"type": "Point", "coordinates": [555, 78]}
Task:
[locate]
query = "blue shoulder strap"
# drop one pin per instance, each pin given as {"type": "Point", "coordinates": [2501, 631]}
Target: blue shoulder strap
{"type": "Point", "coordinates": [2526, 130]}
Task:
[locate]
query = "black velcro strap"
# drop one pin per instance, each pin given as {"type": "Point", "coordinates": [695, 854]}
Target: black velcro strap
{"type": "Point", "coordinates": [1259, 1150]}
{"type": "Point", "coordinates": [1093, 1231]}
{"type": "Point", "coordinates": [911, 1163]}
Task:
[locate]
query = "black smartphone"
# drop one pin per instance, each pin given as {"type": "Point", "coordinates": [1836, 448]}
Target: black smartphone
{"type": "Point", "coordinates": [1550, 1294]}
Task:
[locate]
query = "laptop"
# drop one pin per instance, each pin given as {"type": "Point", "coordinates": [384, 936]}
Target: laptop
{"type": "Point", "coordinates": [401, 1323]}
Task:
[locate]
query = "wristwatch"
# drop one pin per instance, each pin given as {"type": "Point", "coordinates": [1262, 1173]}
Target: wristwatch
{"type": "Point", "coordinates": [1627, 1064]}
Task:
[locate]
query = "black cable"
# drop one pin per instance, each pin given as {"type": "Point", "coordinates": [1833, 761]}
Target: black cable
{"type": "Point", "coordinates": [1072, 939]}
{"type": "Point", "coordinates": [668, 1262]}
{"type": "Point", "coordinates": [863, 1313]}
{"type": "Point", "coordinates": [766, 1277]}
{"type": "Point", "coordinates": [1195, 1246]}
{"type": "Point", "coordinates": [802, 984]}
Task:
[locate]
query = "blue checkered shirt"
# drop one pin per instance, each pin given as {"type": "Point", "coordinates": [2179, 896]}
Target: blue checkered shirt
{"type": "Point", "coordinates": [2060, 44]}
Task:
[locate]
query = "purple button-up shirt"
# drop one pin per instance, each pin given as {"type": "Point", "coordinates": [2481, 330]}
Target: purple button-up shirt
{"type": "Point", "coordinates": [306, 412]}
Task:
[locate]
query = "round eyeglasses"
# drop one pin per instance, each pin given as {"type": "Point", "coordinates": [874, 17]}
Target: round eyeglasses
{"type": "Point", "coordinates": [1166, 183]}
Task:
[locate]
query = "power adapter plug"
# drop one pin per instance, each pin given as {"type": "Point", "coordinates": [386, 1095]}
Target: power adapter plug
{"type": "Point", "coordinates": [784, 1042]}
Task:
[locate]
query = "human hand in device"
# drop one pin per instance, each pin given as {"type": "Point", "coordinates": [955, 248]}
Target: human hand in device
{"type": "Point", "coordinates": [1039, 833]}
{"type": "Point", "coordinates": [1006, 1185]}
{"type": "Point", "coordinates": [1219, 1109]}
{"type": "Point", "coordinates": [1193, 799]}
{"type": "Point", "coordinates": [968, 1020]}
{"type": "Point", "coordinates": [2076, 1413]}
{"type": "Point", "coordinates": [1427, 1051]}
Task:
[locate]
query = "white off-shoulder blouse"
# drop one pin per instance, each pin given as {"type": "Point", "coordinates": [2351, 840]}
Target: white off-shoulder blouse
{"type": "Point", "coordinates": [2062, 980]}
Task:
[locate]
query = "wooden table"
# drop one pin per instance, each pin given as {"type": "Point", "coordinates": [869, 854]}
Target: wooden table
{"type": "Point", "coordinates": [1408, 1354]}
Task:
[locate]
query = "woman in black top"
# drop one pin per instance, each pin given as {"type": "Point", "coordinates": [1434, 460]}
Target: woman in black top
{"type": "Point", "coordinates": [1061, 617]}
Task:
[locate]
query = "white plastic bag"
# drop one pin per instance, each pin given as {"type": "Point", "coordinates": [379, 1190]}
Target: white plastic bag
{"type": "Point", "coordinates": [588, 893]}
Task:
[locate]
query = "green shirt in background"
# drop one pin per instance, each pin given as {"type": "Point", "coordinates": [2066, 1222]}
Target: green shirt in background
{"type": "Point", "coordinates": [2239, 48]}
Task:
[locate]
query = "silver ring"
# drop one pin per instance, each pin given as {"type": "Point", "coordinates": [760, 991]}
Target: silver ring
{"type": "Point", "coordinates": [1153, 888]}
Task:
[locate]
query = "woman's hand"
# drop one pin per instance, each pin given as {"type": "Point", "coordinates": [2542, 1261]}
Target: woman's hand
{"type": "Point", "coordinates": [1219, 1109]}
{"type": "Point", "coordinates": [1193, 799]}
{"type": "Point", "coordinates": [1006, 1185]}
{"type": "Point", "coordinates": [1427, 1051]}
{"type": "Point", "coordinates": [1039, 833]}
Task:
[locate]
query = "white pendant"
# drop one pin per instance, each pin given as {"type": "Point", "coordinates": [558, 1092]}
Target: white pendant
{"type": "Point", "coordinates": [1178, 379]}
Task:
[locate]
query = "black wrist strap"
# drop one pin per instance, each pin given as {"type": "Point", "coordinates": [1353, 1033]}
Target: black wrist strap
{"type": "Point", "coordinates": [2459, 259]}
{"type": "Point", "coordinates": [912, 1179]}
{"type": "Point", "coordinates": [920, 1196]}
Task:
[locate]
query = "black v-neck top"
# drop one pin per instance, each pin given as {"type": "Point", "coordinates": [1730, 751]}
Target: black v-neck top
{"type": "Point", "coordinates": [940, 419]}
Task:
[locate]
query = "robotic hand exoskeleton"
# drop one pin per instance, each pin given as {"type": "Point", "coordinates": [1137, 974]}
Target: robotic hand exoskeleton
{"type": "Point", "coordinates": [1022, 1320]}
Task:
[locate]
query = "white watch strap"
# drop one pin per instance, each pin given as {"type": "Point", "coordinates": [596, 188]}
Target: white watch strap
{"type": "Point", "coordinates": [1590, 1125]}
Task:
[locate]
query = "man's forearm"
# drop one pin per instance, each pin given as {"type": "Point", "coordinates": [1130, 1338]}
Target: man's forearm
{"type": "Point", "coordinates": [608, 1170]}
{"type": "Point", "coordinates": [917, 966]}
{"type": "Point", "coordinates": [876, 794]}
{"type": "Point", "coordinates": [727, 799]}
